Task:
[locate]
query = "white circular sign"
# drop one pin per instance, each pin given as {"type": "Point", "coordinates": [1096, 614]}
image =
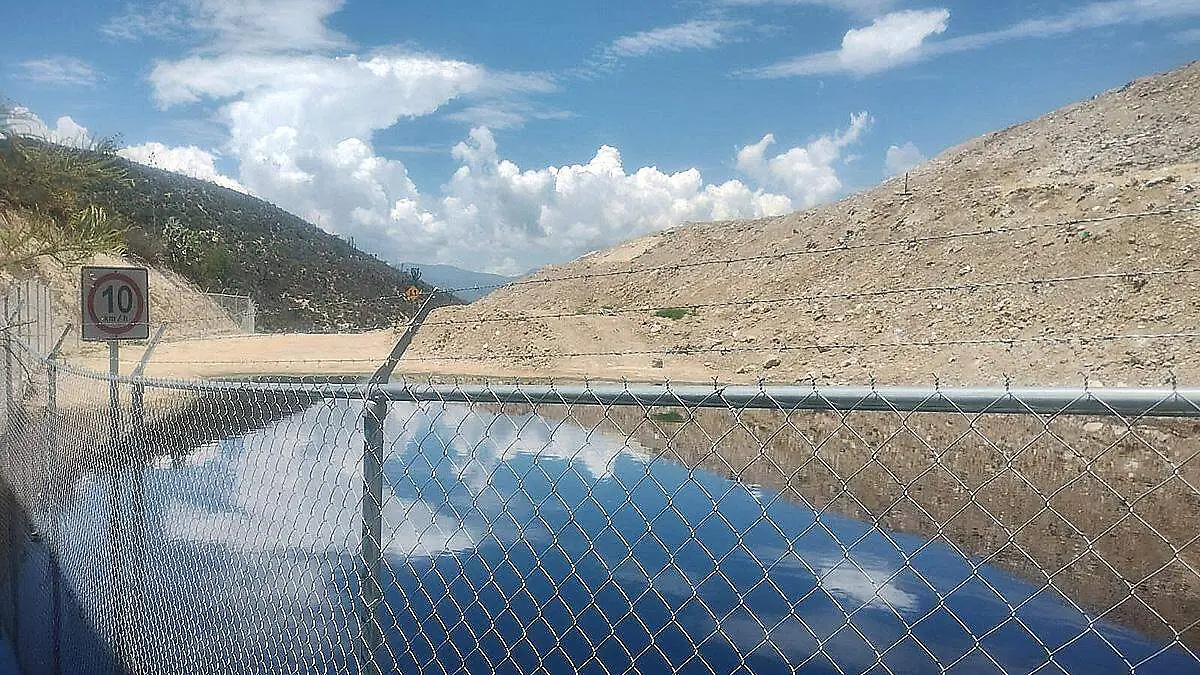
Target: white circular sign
{"type": "Point", "coordinates": [115, 304]}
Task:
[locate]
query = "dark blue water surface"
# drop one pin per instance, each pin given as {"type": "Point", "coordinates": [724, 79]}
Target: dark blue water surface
{"type": "Point", "coordinates": [518, 543]}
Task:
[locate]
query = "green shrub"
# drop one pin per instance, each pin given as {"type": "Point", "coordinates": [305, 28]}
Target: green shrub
{"type": "Point", "coordinates": [215, 264]}
{"type": "Point", "coordinates": [674, 313]}
{"type": "Point", "coordinates": [46, 205]}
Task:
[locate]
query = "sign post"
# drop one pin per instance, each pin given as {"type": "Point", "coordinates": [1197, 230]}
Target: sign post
{"type": "Point", "coordinates": [115, 306]}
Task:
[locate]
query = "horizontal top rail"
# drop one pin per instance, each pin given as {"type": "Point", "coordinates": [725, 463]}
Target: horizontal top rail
{"type": "Point", "coordinates": [1105, 402]}
{"type": "Point", "coordinates": [1124, 402]}
{"type": "Point", "coordinates": [1083, 400]}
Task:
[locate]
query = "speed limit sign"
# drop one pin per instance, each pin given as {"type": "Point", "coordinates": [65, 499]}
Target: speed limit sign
{"type": "Point", "coordinates": [115, 303]}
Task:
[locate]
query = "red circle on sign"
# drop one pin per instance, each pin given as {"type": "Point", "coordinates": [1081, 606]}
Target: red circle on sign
{"type": "Point", "coordinates": [140, 303]}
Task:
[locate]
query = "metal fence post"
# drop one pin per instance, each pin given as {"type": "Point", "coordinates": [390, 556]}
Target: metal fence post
{"type": "Point", "coordinates": [9, 406]}
{"type": "Point", "coordinates": [372, 533]}
{"type": "Point", "coordinates": [372, 510]}
{"type": "Point", "coordinates": [52, 541]}
{"type": "Point", "coordinates": [114, 403]}
{"type": "Point", "coordinates": [114, 521]}
{"type": "Point", "coordinates": [8, 364]}
{"type": "Point", "coordinates": [138, 390]}
{"type": "Point", "coordinates": [135, 541]}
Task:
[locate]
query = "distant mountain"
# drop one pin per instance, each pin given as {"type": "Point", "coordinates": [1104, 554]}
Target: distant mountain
{"type": "Point", "coordinates": [301, 277]}
{"type": "Point", "coordinates": [451, 278]}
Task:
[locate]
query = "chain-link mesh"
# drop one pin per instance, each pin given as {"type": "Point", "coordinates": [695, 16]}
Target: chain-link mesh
{"type": "Point", "coordinates": [240, 308]}
{"type": "Point", "coordinates": [222, 527]}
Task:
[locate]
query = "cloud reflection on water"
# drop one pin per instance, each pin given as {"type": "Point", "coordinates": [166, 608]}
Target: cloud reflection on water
{"type": "Point", "coordinates": [251, 544]}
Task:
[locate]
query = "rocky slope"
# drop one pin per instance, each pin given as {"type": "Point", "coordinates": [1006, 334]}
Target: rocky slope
{"type": "Point", "coordinates": [1050, 288]}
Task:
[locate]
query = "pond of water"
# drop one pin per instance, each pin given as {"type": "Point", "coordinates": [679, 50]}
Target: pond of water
{"type": "Point", "coordinates": [517, 542]}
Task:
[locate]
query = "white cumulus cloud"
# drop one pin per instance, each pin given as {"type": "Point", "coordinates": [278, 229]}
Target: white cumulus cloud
{"type": "Point", "coordinates": [807, 174]}
{"type": "Point", "coordinates": [902, 158]}
{"type": "Point", "coordinates": [66, 131]}
{"type": "Point", "coordinates": [188, 160]}
{"type": "Point", "coordinates": [495, 214]}
{"type": "Point", "coordinates": [891, 40]}
{"type": "Point", "coordinates": [301, 118]}
{"type": "Point", "coordinates": [300, 130]}
{"type": "Point", "coordinates": [300, 127]}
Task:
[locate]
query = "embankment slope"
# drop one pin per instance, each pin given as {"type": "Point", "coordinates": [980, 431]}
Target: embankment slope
{"type": "Point", "coordinates": [880, 285]}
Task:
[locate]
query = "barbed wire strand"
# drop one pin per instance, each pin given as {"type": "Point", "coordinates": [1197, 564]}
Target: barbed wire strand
{"type": "Point", "coordinates": [776, 348]}
{"type": "Point", "coordinates": [856, 295]}
{"type": "Point", "coordinates": [816, 297]}
{"type": "Point", "coordinates": [780, 255]}
{"type": "Point", "coordinates": [907, 241]}
{"type": "Point", "coordinates": [970, 287]}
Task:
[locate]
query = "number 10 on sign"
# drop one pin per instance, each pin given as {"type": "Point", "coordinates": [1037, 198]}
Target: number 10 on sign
{"type": "Point", "coordinates": [115, 303]}
{"type": "Point", "coordinates": [124, 304]}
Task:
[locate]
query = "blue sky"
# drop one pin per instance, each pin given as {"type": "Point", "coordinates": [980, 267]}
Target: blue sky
{"type": "Point", "coordinates": [501, 136]}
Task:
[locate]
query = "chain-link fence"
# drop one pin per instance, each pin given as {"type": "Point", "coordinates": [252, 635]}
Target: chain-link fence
{"type": "Point", "coordinates": [421, 527]}
{"type": "Point", "coordinates": [28, 320]}
{"type": "Point", "coordinates": [240, 308]}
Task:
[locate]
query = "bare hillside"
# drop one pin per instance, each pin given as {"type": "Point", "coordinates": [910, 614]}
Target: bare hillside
{"type": "Point", "coordinates": [874, 286]}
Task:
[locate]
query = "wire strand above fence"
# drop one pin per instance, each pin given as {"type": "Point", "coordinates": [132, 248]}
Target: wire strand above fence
{"type": "Point", "coordinates": [967, 287]}
{"type": "Point", "coordinates": [824, 250]}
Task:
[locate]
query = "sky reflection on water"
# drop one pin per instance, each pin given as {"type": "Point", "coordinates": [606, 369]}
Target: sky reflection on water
{"type": "Point", "coordinates": [518, 542]}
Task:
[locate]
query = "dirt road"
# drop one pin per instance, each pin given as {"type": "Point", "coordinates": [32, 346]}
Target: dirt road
{"type": "Point", "coordinates": [361, 354]}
